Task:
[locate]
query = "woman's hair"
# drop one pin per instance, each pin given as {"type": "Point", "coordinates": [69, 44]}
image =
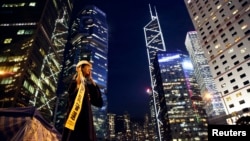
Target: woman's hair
{"type": "Point", "coordinates": [79, 74]}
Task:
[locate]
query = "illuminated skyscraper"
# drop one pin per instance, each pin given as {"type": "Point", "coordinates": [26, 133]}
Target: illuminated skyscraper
{"type": "Point", "coordinates": [223, 27]}
{"type": "Point", "coordinates": [88, 40]}
{"type": "Point", "coordinates": [185, 117]}
{"type": "Point", "coordinates": [176, 104]}
{"type": "Point", "coordinates": [29, 54]}
{"type": "Point", "coordinates": [111, 135]}
{"type": "Point", "coordinates": [154, 44]}
{"type": "Point", "coordinates": [214, 105]}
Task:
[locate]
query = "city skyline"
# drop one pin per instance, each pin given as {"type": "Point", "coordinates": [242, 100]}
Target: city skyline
{"type": "Point", "coordinates": [179, 96]}
{"type": "Point", "coordinates": [129, 76]}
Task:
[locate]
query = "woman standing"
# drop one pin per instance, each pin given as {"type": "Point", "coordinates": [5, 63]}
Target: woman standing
{"type": "Point", "coordinates": [83, 92]}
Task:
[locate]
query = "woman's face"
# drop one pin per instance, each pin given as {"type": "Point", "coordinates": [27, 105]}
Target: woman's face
{"type": "Point", "coordinates": [86, 70]}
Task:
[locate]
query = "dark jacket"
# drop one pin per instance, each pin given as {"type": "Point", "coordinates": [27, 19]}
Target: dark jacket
{"type": "Point", "coordinates": [84, 128]}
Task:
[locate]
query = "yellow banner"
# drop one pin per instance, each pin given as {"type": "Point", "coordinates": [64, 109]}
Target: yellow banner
{"type": "Point", "coordinates": [76, 109]}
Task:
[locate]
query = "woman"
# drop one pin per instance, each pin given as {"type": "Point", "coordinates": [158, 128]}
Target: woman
{"type": "Point", "coordinates": [83, 92]}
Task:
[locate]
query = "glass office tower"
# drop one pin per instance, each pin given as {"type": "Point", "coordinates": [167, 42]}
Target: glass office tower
{"type": "Point", "coordinates": [185, 117]}
{"type": "Point", "coordinates": [213, 105]}
{"type": "Point", "coordinates": [88, 40]}
{"type": "Point", "coordinates": [29, 62]}
{"type": "Point", "coordinates": [154, 43]}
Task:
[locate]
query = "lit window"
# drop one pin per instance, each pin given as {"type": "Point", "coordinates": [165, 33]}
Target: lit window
{"type": "Point", "coordinates": [236, 39]}
{"type": "Point", "coordinates": [32, 4]}
{"type": "Point", "coordinates": [236, 11]}
{"type": "Point", "coordinates": [220, 51]}
{"type": "Point", "coordinates": [247, 9]}
{"type": "Point", "coordinates": [244, 26]}
{"type": "Point", "coordinates": [191, 119]}
{"type": "Point", "coordinates": [230, 50]}
{"type": "Point", "coordinates": [196, 18]}
{"type": "Point", "coordinates": [20, 32]}
{"type": "Point", "coordinates": [228, 45]}
{"type": "Point", "coordinates": [243, 50]}
{"type": "Point", "coordinates": [223, 85]}
{"type": "Point", "coordinates": [219, 6]}
{"type": "Point", "coordinates": [217, 46]}
{"type": "Point", "coordinates": [228, 99]}
{"type": "Point", "coordinates": [238, 94]}
{"type": "Point", "coordinates": [7, 41]}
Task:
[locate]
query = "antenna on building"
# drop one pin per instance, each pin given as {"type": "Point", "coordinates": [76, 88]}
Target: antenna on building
{"type": "Point", "coordinates": [150, 12]}
{"type": "Point", "coordinates": [155, 12]}
{"type": "Point", "coordinates": [153, 15]}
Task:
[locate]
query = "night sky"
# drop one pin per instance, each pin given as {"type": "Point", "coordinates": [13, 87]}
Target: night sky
{"type": "Point", "coordinates": [128, 75]}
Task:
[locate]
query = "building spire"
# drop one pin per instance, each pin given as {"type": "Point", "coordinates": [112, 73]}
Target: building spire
{"type": "Point", "coordinates": [153, 15]}
{"type": "Point", "coordinates": [150, 12]}
{"type": "Point", "coordinates": [155, 12]}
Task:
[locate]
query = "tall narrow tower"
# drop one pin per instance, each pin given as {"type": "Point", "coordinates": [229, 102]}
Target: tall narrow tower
{"type": "Point", "coordinates": [214, 106]}
{"type": "Point", "coordinates": [88, 40]}
{"type": "Point", "coordinates": [154, 43]}
{"type": "Point", "coordinates": [184, 117]}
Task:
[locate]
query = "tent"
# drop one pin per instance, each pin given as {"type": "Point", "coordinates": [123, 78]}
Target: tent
{"type": "Point", "coordinates": [25, 124]}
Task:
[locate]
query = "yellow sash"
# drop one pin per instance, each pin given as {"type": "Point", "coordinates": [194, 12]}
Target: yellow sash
{"type": "Point", "coordinates": [75, 111]}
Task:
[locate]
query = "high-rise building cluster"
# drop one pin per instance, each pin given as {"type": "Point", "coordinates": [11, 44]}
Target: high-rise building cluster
{"type": "Point", "coordinates": [177, 111]}
{"type": "Point", "coordinates": [32, 43]}
{"type": "Point", "coordinates": [123, 127]}
{"type": "Point", "coordinates": [214, 87]}
{"type": "Point", "coordinates": [41, 42]}
{"type": "Point", "coordinates": [221, 39]}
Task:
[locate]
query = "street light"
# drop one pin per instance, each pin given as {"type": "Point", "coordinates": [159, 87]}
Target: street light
{"type": "Point", "coordinates": [208, 96]}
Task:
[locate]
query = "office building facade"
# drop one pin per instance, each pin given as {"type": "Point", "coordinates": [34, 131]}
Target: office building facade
{"type": "Point", "coordinates": [29, 62]}
{"type": "Point", "coordinates": [223, 28]}
{"type": "Point", "coordinates": [213, 104]}
{"type": "Point", "coordinates": [185, 116]}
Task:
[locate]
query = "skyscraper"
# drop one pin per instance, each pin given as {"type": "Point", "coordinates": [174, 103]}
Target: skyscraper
{"type": "Point", "coordinates": [213, 105]}
{"type": "Point", "coordinates": [224, 32]}
{"type": "Point", "coordinates": [154, 44]}
{"type": "Point", "coordinates": [88, 40]}
{"type": "Point", "coordinates": [29, 63]}
{"type": "Point", "coordinates": [111, 136]}
{"type": "Point", "coordinates": [175, 102]}
{"type": "Point", "coordinates": [183, 106]}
